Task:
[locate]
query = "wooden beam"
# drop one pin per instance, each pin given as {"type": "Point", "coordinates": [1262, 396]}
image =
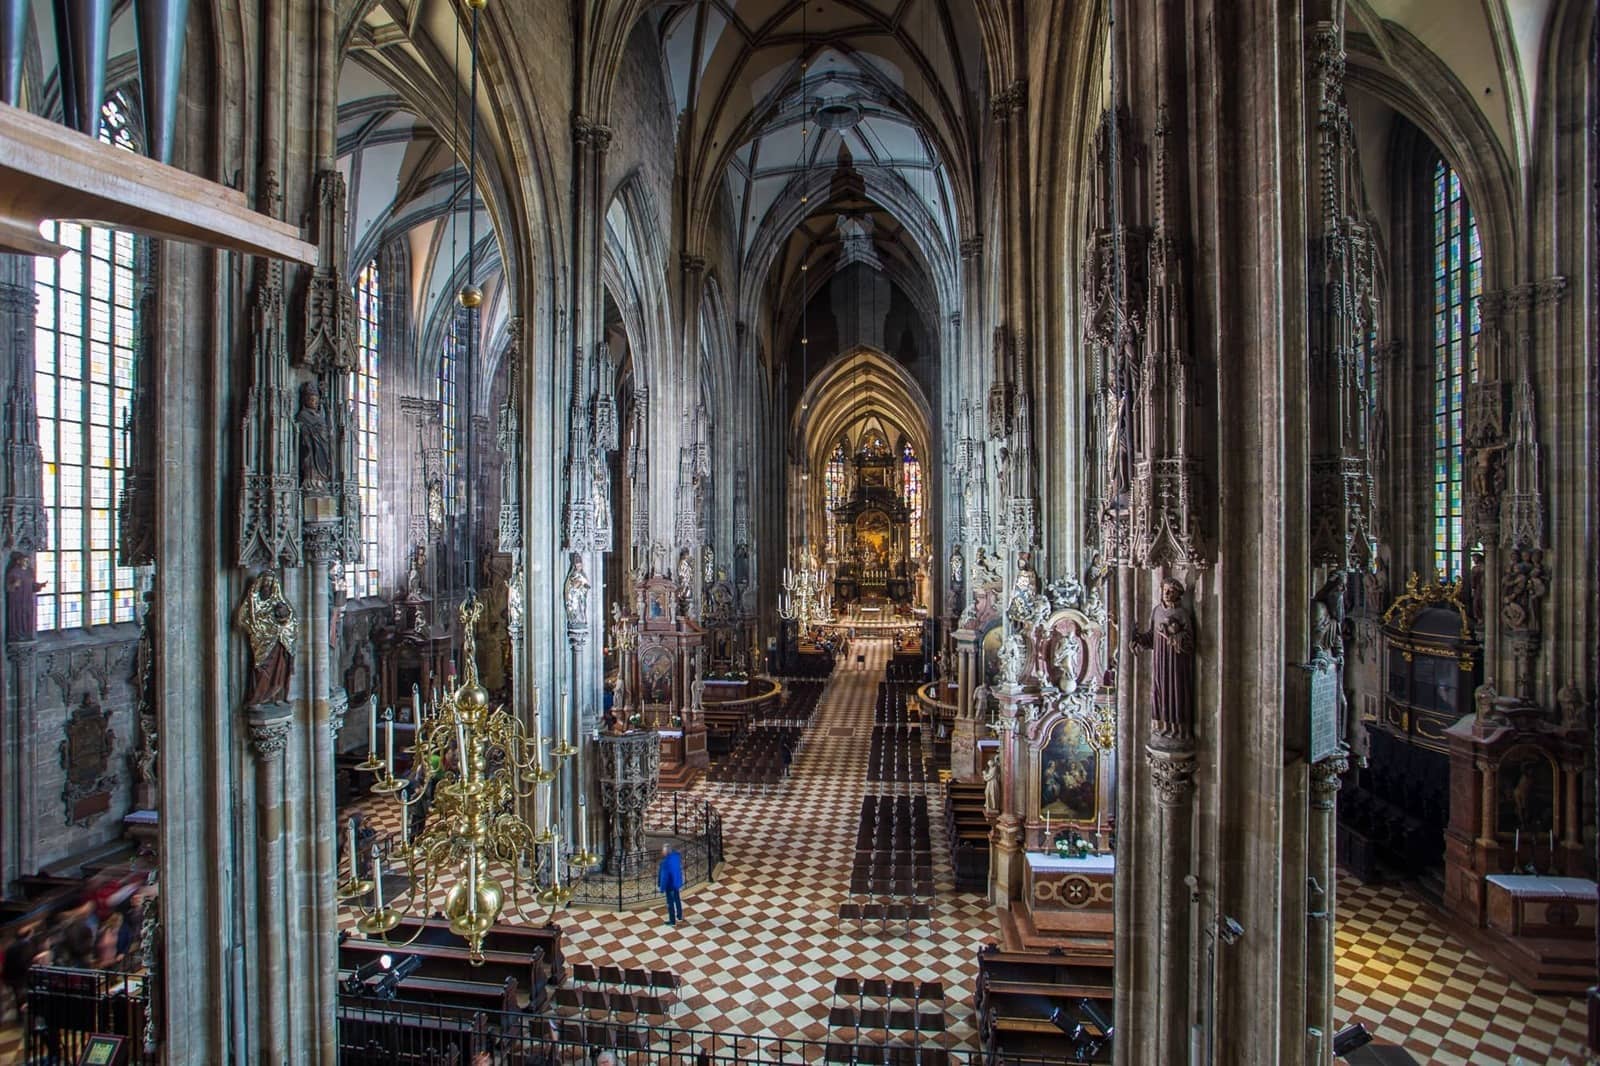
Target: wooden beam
{"type": "Point", "coordinates": [49, 172]}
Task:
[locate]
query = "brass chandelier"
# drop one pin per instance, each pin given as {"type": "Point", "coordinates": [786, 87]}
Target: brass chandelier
{"type": "Point", "coordinates": [483, 767]}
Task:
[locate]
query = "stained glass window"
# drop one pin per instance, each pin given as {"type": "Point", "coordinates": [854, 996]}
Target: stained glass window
{"type": "Point", "coordinates": [83, 383]}
{"type": "Point", "coordinates": [911, 480]}
{"type": "Point", "coordinates": [834, 480]}
{"type": "Point", "coordinates": [1457, 284]}
{"type": "Point", "coordinates": [363, 577]}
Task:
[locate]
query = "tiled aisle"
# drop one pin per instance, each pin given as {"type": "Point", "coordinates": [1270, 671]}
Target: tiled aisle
{"type": "Point", "coordinates": [759, 950]}
{"type": "Point", "coordinates": [1412, 983]}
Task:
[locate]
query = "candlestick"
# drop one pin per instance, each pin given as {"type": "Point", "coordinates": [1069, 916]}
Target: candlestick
{"type": "Point", "coordinates": [388, 744]}
{"type": "Point", "coordinates": [377, 877]}
{"type": "Point", "coordinates": [1047, 829]}
{"type": "Point", "coordinates": [355, 866]}
{"type": "Point", "coordinates": [405, 826]}
{"type": "Point", "coordinates": [416, 703]}
{"type": "Point", "coordinates": [461, 744]}
{"type": "Point", "coordinates": [566, 715]}
{"type": "Point", "coordinates": [1516, 846]}
{"type": "Point", "coordinates": [372, 725]}
{"type": "Point", "coordinates": [538, 733]}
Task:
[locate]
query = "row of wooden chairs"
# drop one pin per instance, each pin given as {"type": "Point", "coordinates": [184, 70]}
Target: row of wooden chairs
{"type": "Point", "coordinates": [914, 887]}
{"type": "Point", "coordinates": [885, 914]}
{"type": "Point", "coordinates": [634, 976]}
{"type": "Point", "coordinates": [610, 1005]}
{"type": "Point", "coordinates": [881, 1055]}
{"type": "Point", "coordinates": [888, 989]}
{"type": "Point", "coordinates": [899, 1019]}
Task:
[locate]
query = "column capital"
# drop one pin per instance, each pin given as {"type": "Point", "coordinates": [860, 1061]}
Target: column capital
{"type": "Point", "coordinates": [269, 729]}
{"type": "Point", "coordinates": [1326, 778]}
{"type": "Point", "coordinates": [1172, 774]}
{"type": "Point", "coordinates": [16, 298]}
{"type": "Point", "coordinates": [972, 247]}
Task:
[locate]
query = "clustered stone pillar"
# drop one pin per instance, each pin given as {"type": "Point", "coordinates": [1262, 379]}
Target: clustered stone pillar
{"type": "Point", "coordinates": [1325, 778]}
{"type": "Point", "coordinates": [967, 729]}
{"type": "Point", "coordinates": [1006, 844]}
{"type": "Point", "coordinates": [269, 735]}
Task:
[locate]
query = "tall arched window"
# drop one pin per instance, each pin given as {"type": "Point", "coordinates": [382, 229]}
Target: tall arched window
{"type": "Point", "coordinates": [911, 479]}
{"type": "Point", "coordinates": [1457, 284]}
{"type": "Point", "coordinates": [834, 482]}
{"type": "Point", "coordinates": [364, 403]}
{"type": "Point", "coordinates": [83, 383]}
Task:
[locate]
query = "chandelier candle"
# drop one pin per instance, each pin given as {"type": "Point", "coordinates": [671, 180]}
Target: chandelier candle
{"type": "Point", "coordinates": [416, 703]}
{"type": "Point", "coordinates": [372, 725]}
{"type": "Point", "coordinates": [388, 744]}
{"type": "Point", "coordinates": [377, 879]}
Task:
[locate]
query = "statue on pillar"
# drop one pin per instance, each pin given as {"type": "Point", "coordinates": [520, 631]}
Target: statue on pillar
{"type": "Point", "coordinates": [21, 603]}
{"type": "Point", "coordinates": [316, 442]}
{"type": "Point", "coordinates": [270, 627]}
{"type": "Point", "coordinates": [1013, 660]}
{"type": "Point", "coordinates": [991, 786]}
{"type": "Point", "coordinates": [575, 593]}
{"type": "Point", "coordinates": [1171, 639]}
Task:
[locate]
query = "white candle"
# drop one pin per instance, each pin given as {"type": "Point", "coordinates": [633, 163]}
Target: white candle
{"type": "Point", "coordinates": [566, 715]}
{"type": "Point", "coordinates": [388, 744]}
{"type": "Point", "coordinates": [1516, 845]}
{"type": "Point", "coordinates": [416, 703]}
{"type": "Point", "coordinates": [372, 725]}
{"type": "Point", "coordinates": [377, 877]}
{"type": "Point", "coordinates": [461, 744]}
{"type": "Point", "coordinates": [538, 732]}
{"type": "Point", "coordinates": [405, 827]}
{"type": "Point", "coordinates": [354, 865]}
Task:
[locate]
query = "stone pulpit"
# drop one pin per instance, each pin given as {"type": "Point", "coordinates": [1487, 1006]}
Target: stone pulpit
{"type": "Point", "coordinates": [629, 768]}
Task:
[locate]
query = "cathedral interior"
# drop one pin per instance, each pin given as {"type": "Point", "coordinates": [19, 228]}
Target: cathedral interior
{"type": "Point", "coordinates": [800, 531]}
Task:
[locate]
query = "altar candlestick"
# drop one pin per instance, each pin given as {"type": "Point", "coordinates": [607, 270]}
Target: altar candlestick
{"type": "Point", "coordinates": [1516, 846]}
{"type": "Point", "coordinates": [388, 745]}
{"type": "Point", "coordinates": [416, 703]}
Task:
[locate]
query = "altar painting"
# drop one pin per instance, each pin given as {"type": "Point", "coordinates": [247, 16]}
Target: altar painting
{"type": "Point", "coordinates": [655, 668]}
{"type": "Point", "coordinates": [1068, 774]}
{"type": "Point", "coordinates": [1527, 791]}
{"type": "Point", "coordinates": [872, 539]}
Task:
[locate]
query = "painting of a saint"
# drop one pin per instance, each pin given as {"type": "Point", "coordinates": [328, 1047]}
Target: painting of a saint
{"type": "Point", "coordinates": [657, 671]}
{"type": "Point", "coordinates": [1068, 774]}
{"type": "Point", "coordinates": [1527, 791]}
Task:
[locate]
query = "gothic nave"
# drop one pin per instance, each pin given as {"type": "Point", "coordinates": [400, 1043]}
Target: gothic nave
{"type": "Point", "coordinates": [1083, 512]}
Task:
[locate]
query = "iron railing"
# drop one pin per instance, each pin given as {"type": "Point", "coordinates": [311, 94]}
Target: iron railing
{"type": "Point", "coordinates": [692, 827]}
{"type": "Point", "coordinates": [373, 1032]}
{"type": "Point", "coordinates": [67, 1006]}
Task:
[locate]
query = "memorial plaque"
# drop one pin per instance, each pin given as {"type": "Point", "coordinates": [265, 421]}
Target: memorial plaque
{"type": "Point", "coordinates": [1324, 709]}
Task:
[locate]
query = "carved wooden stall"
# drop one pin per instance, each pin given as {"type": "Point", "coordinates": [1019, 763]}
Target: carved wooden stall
{"type": "Point", "coordinates": [1394, 811]}
{"type": "Point", "coordinates": [662, 674]}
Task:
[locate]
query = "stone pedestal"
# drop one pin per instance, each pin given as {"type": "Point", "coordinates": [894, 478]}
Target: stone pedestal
{"type": "Point", "coordinates": [269, 734]}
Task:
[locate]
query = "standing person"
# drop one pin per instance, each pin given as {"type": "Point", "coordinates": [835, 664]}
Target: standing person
{"type": "Point", "coordinates": [669, 878]}
{"type": "Point", "coordinates": [14, 967]}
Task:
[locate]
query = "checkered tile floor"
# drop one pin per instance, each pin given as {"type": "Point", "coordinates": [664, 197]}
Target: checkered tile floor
{"type": "Point", "coordinates": [1411, 983]}
{"type": "Point", "coordinates": [758, 949]}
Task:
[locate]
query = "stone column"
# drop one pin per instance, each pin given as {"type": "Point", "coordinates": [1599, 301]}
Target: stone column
{"type": "Point", "coordinates": [317, 936]}
{"type": "Point", "coordinates": [1325, 779]}
{"type": "Point", "coordinates": [1172, 777]}
{"type": "Point", "coordinates": [17, 722]}
{"type": "Point", "coordinates": [269, 735]}
{"type": "Point", "coordinates": [967, 729]}
{"type": "Point", "coordinates": [1006, 843]}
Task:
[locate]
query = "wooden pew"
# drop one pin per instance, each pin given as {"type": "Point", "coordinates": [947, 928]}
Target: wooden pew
{"type": "Point", "coordinates": [496, 998]}
{"type": "Point", "coordinates": [502, 937]}
{"type": "Point", "coordinates": [452, 964]}
{"type": "Point", "coordinates": [1018, 991]}
{"type": "Point", "coordinates": [370, 1034]}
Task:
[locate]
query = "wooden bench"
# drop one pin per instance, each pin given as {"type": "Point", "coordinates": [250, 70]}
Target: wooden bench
{"type": "Point", "coordinates": [503, 936]}
{"type": "Point", "coordinates": [501, 998]}
{"type": "Point", "coordinates": [371, 1034]}
{"type": "Point", "coordinates": [1020, 991]}
{"type": "Point", "coordinates": [452, 964]}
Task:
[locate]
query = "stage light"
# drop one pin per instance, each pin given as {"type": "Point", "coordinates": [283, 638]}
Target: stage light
{"type": "Point", "coordinates": [390, 982]}
{"type": "Point", "coordinates": [1350, 1038]}
{"type": "Point", "coordinates": [1229, 929]}
{"type": "Point", "coordinates": [364, 973]}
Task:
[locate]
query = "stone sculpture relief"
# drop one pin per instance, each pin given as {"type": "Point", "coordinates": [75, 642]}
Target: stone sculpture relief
{"type": "Point", "coordinates": [316, 442]}
{"type": "Point", "coordinates": [1171, 639]}
{"type": "Point", "coordinates": [575, 594]}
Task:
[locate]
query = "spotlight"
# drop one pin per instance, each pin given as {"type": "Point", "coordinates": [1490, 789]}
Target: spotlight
{"type": "Point", "coordinates": [368, 970]}
{"type": "Point", "coordinates": [389, 982]}
{"type": "Point", "coordinates": [1097, 1018]}
{"type": "Point", "coordinates": [1229, 929]}
{"type": "Point", "coordinates": [1349, 1039]}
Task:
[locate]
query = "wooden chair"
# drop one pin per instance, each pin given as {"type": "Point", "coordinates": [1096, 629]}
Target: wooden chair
{"type": "Point", "coordinates": [903, 1019]}
{"type": "Point", "coordinates": [847, 986]}
{"type": "Point", "coordinates": [897, 912]}
{"type": "Point", "coordinates": [848, 912]}
{"type": "Point", "coordinates": [839, 1051]}
{"type": "Point", "coordinates": [569, 999]}
{"type": "Point", "coordinates": [611, 975]}
{"type": "Point", "coordinates": [904, 990]}
{"type": "Point", "coordinates": [637, 976]}
{"type": "Point", "coordinates": [585, 972]}
{"type": "Point", "coordinates": [842, 1018]}
{"type": "Point", "coordinates": [921, 912]}
{"type": "Point", "coordinates": [932, 991]}
{"type": "Point", "coordinates": [595, 999]}
{"type": "Point", "coordinates": [652, 1006]}
{"type": "Point", "coordinates": [934, 1056]}
{"type": "Point", "coordinates": [930, 1022]}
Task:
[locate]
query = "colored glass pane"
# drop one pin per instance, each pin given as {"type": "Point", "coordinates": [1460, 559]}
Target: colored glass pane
{"type": "Point", "coordinates": [1458, 280]}
{"type": "Point", "coordinates": [363, 397]}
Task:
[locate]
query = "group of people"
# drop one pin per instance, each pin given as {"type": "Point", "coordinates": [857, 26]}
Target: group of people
{"type": "Point", "coordinates": [95, 930]}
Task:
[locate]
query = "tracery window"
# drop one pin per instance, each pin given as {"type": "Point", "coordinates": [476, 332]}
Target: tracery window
{"type": "Point", "coordinates": [83, 383]}
{"type": "Point", "coordinates": [364, 404]}
{"type": "Point", "coordinates": [911, 479]}
{"type": "Point", "coordinates": [834, 480]}
{"type": "Point", "coordinates": [1457, 284]}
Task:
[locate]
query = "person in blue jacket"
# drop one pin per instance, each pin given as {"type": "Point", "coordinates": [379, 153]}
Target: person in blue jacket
{"type": "Point", "coordinates": [669, 878]}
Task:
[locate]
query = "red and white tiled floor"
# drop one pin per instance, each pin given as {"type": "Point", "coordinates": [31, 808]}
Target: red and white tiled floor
{"type": "Point", "coordinates": [759, 949]}
{"type": "Point", "coordinates": [1410, 982]}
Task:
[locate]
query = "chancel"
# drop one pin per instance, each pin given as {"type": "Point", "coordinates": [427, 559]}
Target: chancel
{"type": "Point", "coordinates": [1052, 531]}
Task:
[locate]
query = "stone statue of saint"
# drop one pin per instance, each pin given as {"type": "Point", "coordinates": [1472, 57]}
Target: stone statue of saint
{"type": "Point", "coordinates": [685, 581]}
{"type": "Point", "coordinates": [1171, 638]}
{"type": "Point", "coordinates": [21, 604]}
{"type": "Point", "coordinates": [575, 593]}
{"type": "Point", "coordinates": [514, 607]}
{"type": "Point", "coordinates": [1325, 610]}
{"type": "Point", "coordinates": [984, 574]}
{"type": "Point", "coordinates": [1574, 716]}
{"type": "Point", "coordinates": [1476, 587]}
{"type": "Point", "coordinates": [316, 441]}
{"type": "Point", "coordinates": [1523, 587]}
{"type": "Point", "coordinates": [415, 575]}
{"type": "Point", "coordinates": [1013, 659]}
{"type": "Point", "coordinates": [1041, 653]}
{"type": "Point", "coordinates": [991, 786]}
{"type": "Point", "coordinates": [1068, 661]}
{"type": "Point", "coordinates": [270, 627]}
{"type": "Point", "coordinates": [957, 569]}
